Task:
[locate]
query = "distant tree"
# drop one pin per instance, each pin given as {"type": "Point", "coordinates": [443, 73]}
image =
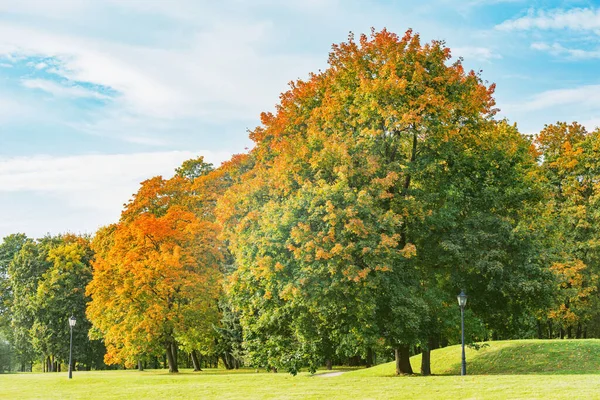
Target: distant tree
{"type": "Point", "coordinates": [61, 294]}
{"type": "Point", "coordinates": [571, 164]}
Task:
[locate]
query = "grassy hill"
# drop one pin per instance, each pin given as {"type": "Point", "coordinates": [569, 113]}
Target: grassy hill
{"type": "Point", "coordinates": [509, 357]}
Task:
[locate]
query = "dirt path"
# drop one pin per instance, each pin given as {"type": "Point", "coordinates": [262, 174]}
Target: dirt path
{"type": "Point", "coordinates": [330, 374]}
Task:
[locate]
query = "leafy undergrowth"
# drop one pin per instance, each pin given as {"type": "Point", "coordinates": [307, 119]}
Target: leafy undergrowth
{"type": "Point", "coordinates": [518, 357]}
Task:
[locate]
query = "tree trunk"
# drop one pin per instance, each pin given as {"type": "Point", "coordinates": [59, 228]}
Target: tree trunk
{"type": "Point", "coordinates": [426, 362]}
{"type": "Point", "coordinates": [562, 333]}
{"type": "Point", "coordinates": [195, 361]}
{"type": "Point", "coordinates": [329, 364]}
{"type": "Point", "coordinates": [140, 365]}
{"type": "Point", "coordinates": [550, 335]}
{"type": "Point", "coordinates": [585, 332]}
{"type": "Point", "coordinates": [174, 350]}
{"type": "Point", "coordinates": [171, 359]}
{"type": "Point", "coordinates": [570, 332]}
{"type": "Point", "coordinates": [579, 331]}
{"type": "Point", "coordinates": [539, 329]}
{"type": "Point", "coordinates": [369, 357]}
{"type": "Point", "coordinates": [432, 343]}
{"type": "Point", "coordinates": [403, 360]}
{"type": "Point", "coordinates": [225, 361]}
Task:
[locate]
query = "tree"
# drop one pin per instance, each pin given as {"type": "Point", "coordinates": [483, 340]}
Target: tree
{"type": "Point", "coordinates": [570, 157]}
{"type": "Point", "coordinates": [9, 247]}
{"type": "Point", "coordinates": [156, 276]}
{"type": "Point", "coordinates": [373, 181]}
{"type": "Point", "coordinates": [61, 294]}
{"type": "Point", "coordinates": [25, 271]}
{"type": "Point", "coordinates": [332, 198]}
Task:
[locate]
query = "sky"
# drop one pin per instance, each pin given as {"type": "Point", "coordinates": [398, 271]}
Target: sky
{"type": "Point", "coordinates": [99, 95]}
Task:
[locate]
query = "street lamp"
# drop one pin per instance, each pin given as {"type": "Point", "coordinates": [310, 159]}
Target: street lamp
{"type": "Point", "coordinates": [71, 325]}
{"type": "Point", "coordinates": [462, 302]}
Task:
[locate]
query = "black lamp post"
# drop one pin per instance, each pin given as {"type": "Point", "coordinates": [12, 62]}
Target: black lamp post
{"type": "Point", "coordinates": [462, 302]}
{"type": "Point", "coordinates": [71, 325]}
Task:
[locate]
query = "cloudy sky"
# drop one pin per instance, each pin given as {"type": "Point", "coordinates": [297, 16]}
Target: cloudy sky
{"type": "Point", "coordinates": [98, 95]}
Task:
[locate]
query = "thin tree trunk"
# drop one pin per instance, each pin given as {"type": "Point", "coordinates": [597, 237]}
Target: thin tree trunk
{"type": "Point", "coordinates": [175, 349]}
{"type": "Point", "coordinates": [426, 362]}
{"type": "Point", "coordinates": [195, 361]}
{"type": "Point", "coordinates": [329, 364]}
{"type": "Point", "coordinates": [579, 331]}
{"type": "Point", "coordinates": [171, 359]}
{"type": "Point", "coordinates": [570, 332]}
{"type": "Point", "coordinates": [432, 344]}
{"type": "Point", "coordinates": [539, 329]}
{"type": "Point", "coordinates": [369, 357]}
{"type": "Point", "coordinates": [140, 365]}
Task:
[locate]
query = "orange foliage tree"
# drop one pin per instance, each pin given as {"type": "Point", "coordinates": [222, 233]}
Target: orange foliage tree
{"type": "Point", "coordinates": [156, 277]}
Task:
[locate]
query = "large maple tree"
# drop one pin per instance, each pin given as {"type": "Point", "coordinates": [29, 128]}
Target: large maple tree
{"type": "Point", "coordinates": [331, 229]}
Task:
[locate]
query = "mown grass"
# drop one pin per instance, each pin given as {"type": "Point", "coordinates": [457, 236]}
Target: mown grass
{"type": "Point", "coordinates": [518, 369]}
{"type": "Point", "coordinates": [513, 357]}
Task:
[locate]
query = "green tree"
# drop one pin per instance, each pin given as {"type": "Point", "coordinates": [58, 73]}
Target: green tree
{"type": "Point", "coordinates": [61, 294]}
{"type": "Point", "coordinates": [374, 198]}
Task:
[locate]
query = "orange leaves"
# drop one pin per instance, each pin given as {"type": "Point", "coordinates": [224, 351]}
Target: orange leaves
{"type": "Point", "coordinates": [156, 271]}
{"type": "Point", "coordinates": [577, 285]}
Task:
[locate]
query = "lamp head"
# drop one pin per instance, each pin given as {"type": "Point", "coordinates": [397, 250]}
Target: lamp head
{"type": "Point", "coordinates": [462, 299]}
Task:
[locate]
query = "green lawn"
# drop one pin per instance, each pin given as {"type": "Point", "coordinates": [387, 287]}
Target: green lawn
{"type": "Point", "coordinates": [518, 369]}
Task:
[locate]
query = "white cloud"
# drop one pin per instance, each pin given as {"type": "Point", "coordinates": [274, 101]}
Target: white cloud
{"type": "Point", "coordinates": [56, 89]}
{"type": "Point", "coordinates": [587, 96]}
{"type": "Point", "coordinates": [577, 19]}
{"type": "Point", "coordinates": [218, 67]}
{"type": "Point", "coordinates": [102, 173]}
{"type": "Point", "coordinates": [475, 53]}
{"type": "Point", "coordinates": [91, 187]}
{"type": "Point", "coordinates": [558, 49]}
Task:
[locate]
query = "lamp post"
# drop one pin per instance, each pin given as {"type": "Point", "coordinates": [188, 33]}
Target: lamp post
{"type": "Point", "coordinates": [71, 325]}
{"type": "Point", "coordinates": [462, 302]}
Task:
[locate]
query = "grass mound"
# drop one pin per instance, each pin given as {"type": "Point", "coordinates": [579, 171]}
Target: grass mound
{"type": "Point", "coordinates": [509, 357]}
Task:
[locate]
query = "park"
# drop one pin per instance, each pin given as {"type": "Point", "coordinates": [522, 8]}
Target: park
{"type": "Point", "coordinates": [387, 230]}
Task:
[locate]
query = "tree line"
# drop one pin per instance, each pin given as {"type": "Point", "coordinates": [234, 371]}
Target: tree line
{"type": "Point", "coordinates": [378, 190]}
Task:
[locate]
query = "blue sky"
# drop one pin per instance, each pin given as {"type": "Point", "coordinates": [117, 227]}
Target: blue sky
{"type": "Point", "coordinates": [96, 96]}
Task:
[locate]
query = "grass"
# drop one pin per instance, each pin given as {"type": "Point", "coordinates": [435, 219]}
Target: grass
{"type": "Point", "coordinates": [525, 369]}
{"type": "Point", "coordinates": [511, 357]}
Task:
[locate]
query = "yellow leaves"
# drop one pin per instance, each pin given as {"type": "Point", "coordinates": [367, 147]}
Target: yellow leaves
{"type": "Point", "coordinates": [389, 241]}
{"type": "Point", "coordinates": [410, 250]}
{"type": "Point", "coordinates": [357, 227]}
